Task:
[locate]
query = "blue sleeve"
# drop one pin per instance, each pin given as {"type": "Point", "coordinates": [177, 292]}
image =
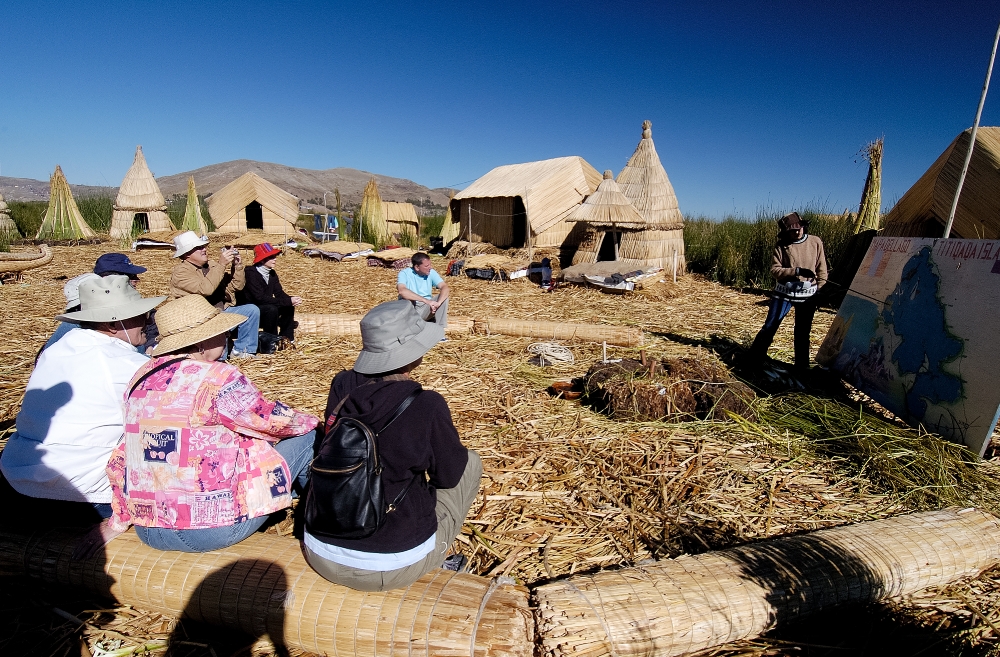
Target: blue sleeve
{"type": "Point", "coordinates": [401, 278]}
{"type": "Point", "coordinates": [435, 279]}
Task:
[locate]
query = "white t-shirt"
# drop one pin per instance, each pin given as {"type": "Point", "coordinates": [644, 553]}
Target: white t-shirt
{"type": "Point", "coordinates": [71, 418]}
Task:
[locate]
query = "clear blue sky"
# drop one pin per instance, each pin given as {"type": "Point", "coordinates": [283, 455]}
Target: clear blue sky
{"type": "Point", "coordinates": [752, 104]}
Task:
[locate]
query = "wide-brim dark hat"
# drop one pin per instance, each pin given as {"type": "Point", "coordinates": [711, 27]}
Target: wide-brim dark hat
{"type": "Point", "coordinates": [394, 335]}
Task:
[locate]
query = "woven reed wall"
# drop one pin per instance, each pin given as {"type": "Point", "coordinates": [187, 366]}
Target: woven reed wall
{"type": "Point", "coordinates": [624, 336]}
{"type": "Point", "coordinates": [263, 585]}
{"type": "Point", "coordinates": [653, 248]}
{"type": "Point", "coordinates": [122, 221]}
{"type": "Point", "coordinates": [14, 262]}
{"type": "Point", "coordinates": [492, 220]}
{"type": "Point", "coordinates": [696, 602]}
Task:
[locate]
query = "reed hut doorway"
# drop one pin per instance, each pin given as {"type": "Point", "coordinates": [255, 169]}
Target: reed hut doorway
{"type": "Point", "coordinates": [255, 216]}
{"type": "Point", "coordinates": [519, 228]}
{"type": "Point", "coordinates": [610, 244]}
{"type": "Point", "coordinates": [140, 222]}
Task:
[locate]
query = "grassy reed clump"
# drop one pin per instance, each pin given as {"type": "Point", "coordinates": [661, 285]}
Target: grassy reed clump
{"type": "Point", "coordinates": [27, 215]}
{"type": "Point", "coordinates": [737, 251]}
{"type": "Point", "coordinates": [431, 226]}
{"type": "Point", "coordinates": [921, 470]}
{"type": "Point", "coordinates": [96, 210]}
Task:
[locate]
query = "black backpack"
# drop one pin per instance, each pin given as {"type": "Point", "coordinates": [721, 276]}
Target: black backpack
{"type": "Point", "coordinates": [345, 498]}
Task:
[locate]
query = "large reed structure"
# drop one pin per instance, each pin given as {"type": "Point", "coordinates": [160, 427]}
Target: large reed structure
{"type": "Point", "coordinates": [192, 212]}
{"type": "Point", "coordinates": [449, 227]}
{"type": "Point", "coordinates": [370, 216]}
{"type": "Point", "coordinates": [870, 209]}
{"type": "Point", "coordinates": [401, 222]}
{"type": "Point", "coordinates": [140, 205]}
{"type": "Point", "coordinates": [644, 182]}
{"type": "Point", "coordinates": [923, 209]}
{"type": "Point", "coordinates": [62, 220]}
{"type": "Point", "coordinates": [253, 203]}
{"type": "Point", "coordinates": [263, 586]}
{"type": "Point", "coordinates": [685, 605]}
{"type": "Point", "coordinates": [503, 205]}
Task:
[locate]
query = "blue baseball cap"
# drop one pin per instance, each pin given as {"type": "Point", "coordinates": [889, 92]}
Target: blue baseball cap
{"type": "Point", "coordinates": [116, 263]}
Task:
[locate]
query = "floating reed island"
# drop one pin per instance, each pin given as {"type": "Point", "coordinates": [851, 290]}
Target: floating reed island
{"type": "Point", "coordinates": [570, 492]}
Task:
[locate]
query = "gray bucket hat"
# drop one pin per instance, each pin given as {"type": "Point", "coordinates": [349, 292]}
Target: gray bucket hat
{"type": "Point", "coordinates": [110, 299]}
{"type": "Point", "coordinates": [393, 335]}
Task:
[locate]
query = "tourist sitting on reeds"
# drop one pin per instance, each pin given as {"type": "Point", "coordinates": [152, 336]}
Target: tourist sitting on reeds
{"type": "Point", "coordinates": [263, 289]}
{"type": "Point", "coordinates": [416, 284]}
{"type": "Point", "coordinates": [799, 270]}
{"type": "Point", "coordinates": [218, 282]}
{"type": "Point", "coordinates": [205, 455]}
{"type": "Point", "coordinates": [71, 417]}
{"type": "Point", "coordinates": [428, 478]}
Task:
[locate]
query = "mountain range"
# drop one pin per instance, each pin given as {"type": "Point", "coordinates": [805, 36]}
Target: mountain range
{"type": "Point", "coordinates": [307, 184]}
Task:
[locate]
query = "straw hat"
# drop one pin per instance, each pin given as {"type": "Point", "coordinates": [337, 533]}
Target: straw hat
{"type": "Point", "coordinates": [189, 320]}
{"type": "Point", "coordinates": [188, 241]}
{"type": "Point", "coordinates": [393, 335]}
{"type": "Point", "coordinates": [263, 251]}
{"type": "Point", "coordinates": [109, 299]}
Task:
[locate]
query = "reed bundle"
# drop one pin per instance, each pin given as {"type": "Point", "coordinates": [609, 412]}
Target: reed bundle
{"type": "Point", "coordinates": [19, 262]}
{"type": "Point", "coordinates": [62, 220]}
{"type": "Point", "coordinates": [392, 256]}
{"type": "Point", "coordinates": [496, 262]}
{"type": "Point", "coordinates": [462, 249]}
{"type": "Point", "coordinates": [192, 211]}
{"type": "Point", "coordinates": [263, 586]}
{"type": "Point", "coordinates": [370, 217]}
{"type": "Point", "coordinates": [870, 210]}
{"type": "Point", "coordinates": [697, 602]}
{"type": "Point", "coordinates": [617, 335]}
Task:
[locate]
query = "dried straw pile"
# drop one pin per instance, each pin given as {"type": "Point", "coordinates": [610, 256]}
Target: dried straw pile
{"type": "Point", "coordinates": [566, 489]}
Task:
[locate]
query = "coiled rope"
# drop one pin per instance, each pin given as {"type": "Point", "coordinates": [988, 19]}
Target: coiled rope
{"type": "Point", "coordinates": [550, 352]}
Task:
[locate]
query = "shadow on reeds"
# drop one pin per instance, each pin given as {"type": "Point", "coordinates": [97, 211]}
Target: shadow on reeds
{"type": "Point", "coordinates": [250, 594]}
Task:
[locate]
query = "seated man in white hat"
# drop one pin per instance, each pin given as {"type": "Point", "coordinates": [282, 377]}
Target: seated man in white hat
{"type": "Point", "coordinates": [216, 281]}
{"type": "Point", "coordinates": [428, 478]}
{"type": "Point", "coordinates": [71, 417]}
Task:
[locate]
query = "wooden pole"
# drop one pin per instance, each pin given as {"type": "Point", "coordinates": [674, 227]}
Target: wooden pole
{"type": "Point", "coordinates": [972, 137]}
{"type": "Point", "coordinates": [675, 265]}
{"type": "Point", "coordinates": [469, 206]}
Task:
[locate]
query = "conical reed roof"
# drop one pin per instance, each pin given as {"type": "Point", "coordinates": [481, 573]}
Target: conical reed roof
{"type": "Point", "coordinates": [192, 214]}
{"type": "Point", "coordinates": [139, 191]}
{"type": "Point", "coordinates": [644, 182]}
{"type": "Point", "coordinates": [608, 207]}
{"type": "Point", "coordinates": [63, 220]}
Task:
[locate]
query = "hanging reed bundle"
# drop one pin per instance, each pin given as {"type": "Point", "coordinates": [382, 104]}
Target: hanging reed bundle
{"type": "Point", "coordinates": [870, 211]}
{"type": "Point", "coordinates": [692, 603]}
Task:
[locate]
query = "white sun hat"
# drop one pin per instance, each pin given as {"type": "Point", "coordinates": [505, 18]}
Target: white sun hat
{"type": "Point", "coordinates": [188, 241]}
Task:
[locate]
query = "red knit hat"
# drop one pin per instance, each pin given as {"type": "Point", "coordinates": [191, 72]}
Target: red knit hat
{"type": "Point", "coordinates": [262, 252]}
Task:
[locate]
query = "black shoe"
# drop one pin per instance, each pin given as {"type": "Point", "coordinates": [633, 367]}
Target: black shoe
{"type": "Point", "coordinates": [455, 562]}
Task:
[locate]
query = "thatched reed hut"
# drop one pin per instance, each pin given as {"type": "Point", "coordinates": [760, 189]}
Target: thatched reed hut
{"type": "Point", "coordinates": [644, 182]}
{"type": "Point", "coordinates": [449, 227]}
{"type": "Point", "coordinates": [7, 226]}
{"type": "Point", "coordinates": [923, 209]}
{"type": "Point", "coordinates": [499, 207]}
{"type": "Point", "coordinates": [401, 222]}
{"type": "Point", "coordinates": [62, 220]}
{"type": "Point", "coordinates": [192, 212]}
{"type": "Point", "coordinates": [140, 205]}
{"type": "Point", "coordinates": [252, 203]}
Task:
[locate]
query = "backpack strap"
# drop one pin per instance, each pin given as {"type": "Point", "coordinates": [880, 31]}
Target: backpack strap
{"type": "Point", "coordinates": [402, 407]}
{"type": "Point", "coordinates": [153, 371]}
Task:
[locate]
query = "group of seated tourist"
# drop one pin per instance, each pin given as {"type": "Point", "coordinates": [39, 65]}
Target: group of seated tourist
{"type": "Point", "coordinates": [182, 446]}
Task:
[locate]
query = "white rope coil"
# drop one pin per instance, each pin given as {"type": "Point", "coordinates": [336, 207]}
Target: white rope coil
{"type": "Point", "coordinates": [550, 352]}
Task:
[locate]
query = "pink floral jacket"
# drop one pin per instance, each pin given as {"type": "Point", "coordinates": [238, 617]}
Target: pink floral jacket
{"type": "Point", "coordinates": [197, 449]}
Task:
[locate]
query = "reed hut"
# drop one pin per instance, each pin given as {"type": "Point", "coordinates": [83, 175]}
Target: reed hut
{"type": "Point", "coordinates": [645, 184]}
{"type": "Point", "coordinates": [252, 203]}
{"type": "Point", "coordinates": [139, 205]}
{"type": "Point", "coordinates": [500, 207]}
{"type": "Point", "coordinates": [7, 226]}
{"type": "Point", "coordinates": [923, 209]}
{"type": "Point", "coordinates": [63, 220]}
{"type": "Point", "coordinates": [192, 213]}
{"type": "Point", "coordinates": [401, 222]}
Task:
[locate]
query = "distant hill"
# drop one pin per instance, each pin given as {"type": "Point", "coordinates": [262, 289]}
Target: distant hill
{"type": "Point", "coordinates": [305, 183]}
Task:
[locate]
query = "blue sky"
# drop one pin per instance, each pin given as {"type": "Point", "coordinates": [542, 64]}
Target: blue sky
{"type": "Point", "coordinates": [753, 104]}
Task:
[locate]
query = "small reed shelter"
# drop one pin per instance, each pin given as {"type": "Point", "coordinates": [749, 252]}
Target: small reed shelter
{"type": "Point", "coordinates": [252, 203]}
{"type": "Point", "coordinates": [645, 184]}
{"type": "Point", "coordinates": [140, 205]}
{"type": "Point", "coordinates": [515, 203]}
{"type": "Point", "coordinates": [923, 210]}
{"type": "Point", "coordinates": [62, 220]}
{"type": "Point", "coordinates": [614, 228]}
{"type": "Point", "coordinates": [400, 219]}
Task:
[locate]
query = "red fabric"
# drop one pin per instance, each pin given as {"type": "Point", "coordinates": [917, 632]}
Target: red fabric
{"type": "Point", "coordinates": [262, 252]}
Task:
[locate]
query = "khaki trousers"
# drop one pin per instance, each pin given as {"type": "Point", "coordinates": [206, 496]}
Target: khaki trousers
{"type": "Point", "coordinates": [440, 317]}
{"type": "Point", "coordinates": [452, 506]}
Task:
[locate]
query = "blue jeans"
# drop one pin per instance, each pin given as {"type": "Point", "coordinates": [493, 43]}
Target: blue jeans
{"type": "Point", "coordinates": [804, 311]}
{"type": "Point", "coordinates": [246, 333]}
{"type": "Point", "coordinates": [298, 454]}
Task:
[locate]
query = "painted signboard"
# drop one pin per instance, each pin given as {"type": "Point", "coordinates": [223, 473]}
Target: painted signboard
{"type": "Point", "coordinates": [918, 333]}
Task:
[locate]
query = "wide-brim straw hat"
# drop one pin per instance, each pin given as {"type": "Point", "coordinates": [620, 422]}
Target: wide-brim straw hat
{"type": "Point", "coordinates": [186, 242]}
{"type": "Point", "coordinates": [109, 299]}
{"type": "Point", "coordinates": [393, 335]}
{"type": "Point", "coordinates": [189, 320]}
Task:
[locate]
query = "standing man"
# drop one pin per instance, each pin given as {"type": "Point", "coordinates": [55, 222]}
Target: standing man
{"type": "Point", "coordinates": [416, 284]}
{"type": "Point", "coordinates": [218, 282]}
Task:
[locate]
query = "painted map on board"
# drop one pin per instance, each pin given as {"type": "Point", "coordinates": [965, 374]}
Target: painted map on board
{"type": "Point", "coordinates": [918, 333]}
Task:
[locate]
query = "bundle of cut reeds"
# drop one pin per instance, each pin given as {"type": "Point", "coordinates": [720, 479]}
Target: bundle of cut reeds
{"type": "Point", "coordinates": [369, 220]}
{"type": "Point", "coordinates": [63, 220]}
{"type": "Point", "coordinates": [192, 212]}
{"type": "Point", "coordinates": [18, 262]}
{"type": "Point", "coordinates": [870, 210]}
{"type": "Point", "coordinates": [617, 335]}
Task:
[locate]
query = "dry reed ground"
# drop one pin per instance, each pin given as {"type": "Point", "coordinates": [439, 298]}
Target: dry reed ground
{"type": "Point", "coordinates": [566, 490]}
